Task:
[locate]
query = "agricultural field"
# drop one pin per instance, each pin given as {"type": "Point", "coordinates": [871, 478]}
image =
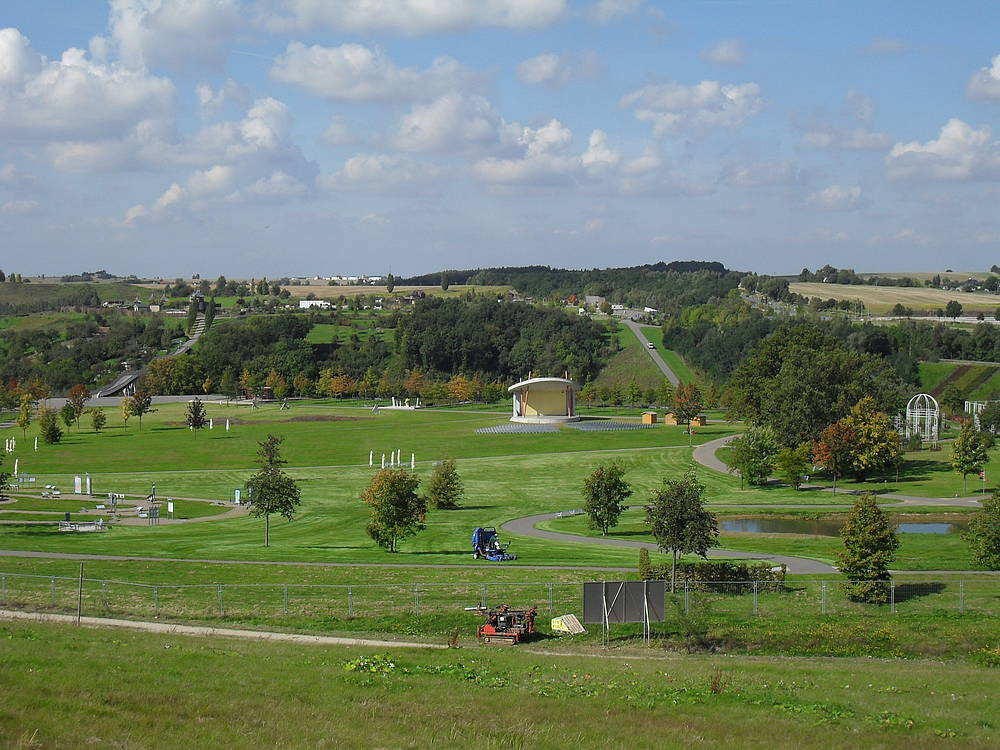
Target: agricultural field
{"type": "Point", "coordinates": [881, 299]}
{"type": "Point", "coordinates": [40, 321]}
{"type": "Point", "coordinates": [928, 275]}
{"type": "Point", "coordinates": [322, 290]}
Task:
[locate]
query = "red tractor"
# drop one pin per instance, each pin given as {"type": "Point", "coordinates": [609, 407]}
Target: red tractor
{"type": "Point", "coordinates": [506, 625]}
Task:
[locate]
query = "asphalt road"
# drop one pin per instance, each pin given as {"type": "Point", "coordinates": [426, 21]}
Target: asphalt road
{"type": "Point", "coordinates": [653, 353]}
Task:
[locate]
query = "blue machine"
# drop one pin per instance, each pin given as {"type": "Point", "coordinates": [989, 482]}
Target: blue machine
{"type": "Point", "coordinates": [486, 544]}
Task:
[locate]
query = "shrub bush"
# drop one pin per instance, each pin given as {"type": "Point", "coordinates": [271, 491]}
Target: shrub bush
{"type": "Point", "coordinates": [702, 573]}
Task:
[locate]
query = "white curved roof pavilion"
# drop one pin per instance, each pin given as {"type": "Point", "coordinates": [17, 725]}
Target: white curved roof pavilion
{"type": "Point", "coordinates": [544, 401]}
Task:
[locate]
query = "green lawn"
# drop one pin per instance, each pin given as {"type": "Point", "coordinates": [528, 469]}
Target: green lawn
{"type": "Point", "coordinates": [125, 689]}
{"type": "Point", "coordinates": [328, 333]}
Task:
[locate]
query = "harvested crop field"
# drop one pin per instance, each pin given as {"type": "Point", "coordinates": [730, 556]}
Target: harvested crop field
{"type": "Point", "coordinates": [880, 299]}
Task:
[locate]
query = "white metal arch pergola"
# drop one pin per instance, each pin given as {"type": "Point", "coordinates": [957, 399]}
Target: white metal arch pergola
{"type": "Point", "coordinates": [923, 418]}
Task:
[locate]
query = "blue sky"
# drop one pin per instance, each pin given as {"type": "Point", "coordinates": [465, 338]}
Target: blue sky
{"type": "Point", "coordinates": [287, 137]}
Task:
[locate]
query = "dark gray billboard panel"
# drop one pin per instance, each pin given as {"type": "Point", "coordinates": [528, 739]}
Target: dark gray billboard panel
{"type": "Point", "coordinates": [625, 601]}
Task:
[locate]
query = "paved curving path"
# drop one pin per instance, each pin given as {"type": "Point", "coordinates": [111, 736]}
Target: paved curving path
{"type": "Point", "coordinates": [526, 526]}
{"type": "Point", "coordinates": [704, 454]}
{"type": "Point", "coordinates": [653, 353]}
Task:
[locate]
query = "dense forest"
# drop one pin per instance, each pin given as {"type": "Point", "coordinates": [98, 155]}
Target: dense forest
{"type": "Point", "coordinates": [662, 286]}
{"type": "Point", "coordinates": [80, 351]}
{"type": "Point", "coordinates": [502, 341]}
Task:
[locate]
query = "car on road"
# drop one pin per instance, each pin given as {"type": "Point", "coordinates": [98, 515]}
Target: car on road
{"type": "Point", "coordinates": [650, 345]}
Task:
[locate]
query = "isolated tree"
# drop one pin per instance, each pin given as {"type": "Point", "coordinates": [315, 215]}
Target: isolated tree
{"type": "Point", "coordinates": [397, 511]}
{"type": "Point", "coordinates": [67, 414]}
{"type": "Point", "coordinates": [792, 463]}
{"type": "Point", "coordinates": [24, 414]}
{"type": "Point", "coordinates": [196, 416]}
{"type": "Point", "coordinates": [953, 309]}
{"type": "Point", "coordinates": [664, 392]}
{"type": "Point", "coordinates": [444, 487]}
{"type": "Point", "coordinates": [870, 543]}
{"type": "Point", "coordinates": [876, 442]}
{"type": "Point", "coordinates": [752, 455]}
{"type": "Point", "coordinates": [227, 384]}
{"type": "Point", "coordinates": [390, 283]}
{"type": "Point", "coordinates": [605, 492]}
{"type": "Point", "coordinates": [97, 419]}
{"type": "Point", "coordinates": [677, 518]}
{"type": "Point", "coordinates": [271, 490]}
{"type": "Point", "coordinates": [968, 454]}
{"type": "Point", "coordinates": [77, 398]}
{"type": "Point", "coordinates": [48, 426]}
{"type": "Point", "coordinates": [983, 534]}
{"type": "Point", "coordinates": [834, 450]}
{"type": "Point", "coordinates": [142, 403]}
{"type": "Point", "coordinates": [687, 404]}
{"type": "Point", "coordinates": [444, 282]}
{"type": "Point", "coordinates": [126, 409]}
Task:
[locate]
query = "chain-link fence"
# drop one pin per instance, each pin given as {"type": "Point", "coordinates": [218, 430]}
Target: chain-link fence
{"type": "Point", "coordinates": [271, 603]}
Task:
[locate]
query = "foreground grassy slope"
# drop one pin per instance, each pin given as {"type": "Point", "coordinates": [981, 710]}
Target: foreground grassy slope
{"type": "Point", "coordinates": [89, 687]}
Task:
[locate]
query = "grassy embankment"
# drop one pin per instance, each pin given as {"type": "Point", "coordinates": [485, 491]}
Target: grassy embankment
{"type": "Point", "coordinates": [674, 360]}
{"type": "Point", "coordinates": [631, 363]}
{"type": "Point", "coordinates": [119, 688]}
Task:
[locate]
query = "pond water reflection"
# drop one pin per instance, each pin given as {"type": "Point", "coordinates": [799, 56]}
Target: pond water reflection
{"type": "Point", "coordinates": [765, 525]}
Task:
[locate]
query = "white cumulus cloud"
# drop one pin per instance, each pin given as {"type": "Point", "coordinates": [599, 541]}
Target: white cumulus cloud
{"type": "Point", "coordinates": [19, 207]}
{"type": "Point", "coordinates": [453, 122]}
{"type": "Point", "coordinates": [959, 153]}
{"type": "Point", "coordinates": [835, 139]}
{"type": "Point", "coordinates": [985, 82]}
{"type": "Point", "coordinates": [378, 173]}
{"type": "Point", "coordinates": [150, 33]}
{"type": "Point", "coordinates": [554, 70]}
{"type": "Point", "coordinates": [725, 52]}
{"type": "Point", "coordinates": [359, 73]}
{"type": "Point", "coordinates": [673, 107]}
{"type": "Point", "coordinates": [73, 97]}
{"type": "Point", "coordinates": [604, 11]}
{"type": "Point", "coordinates": [835, 198]}
{"type": "Point", "coordinates": [412, 17]}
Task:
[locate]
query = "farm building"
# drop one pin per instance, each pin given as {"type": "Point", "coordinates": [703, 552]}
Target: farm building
{"type": "Point", "coordinates": [544, 400]}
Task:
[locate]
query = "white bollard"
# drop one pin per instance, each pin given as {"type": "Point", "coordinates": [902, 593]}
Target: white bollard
{"type": "Point", "coordinates": [383, 460]}
{"type": "Point", "coordinates": [211, 424]}
{"type": "Point", "coordinates": [413, 462]}
{"type": "Point", "coordinates": [371, 457]}
{"type": "Point", "coordinates": [15, 466]}
{"type": "Point", "coordinates": [36, 443]}
{"type": "Point", "coordinates": [227, 425]}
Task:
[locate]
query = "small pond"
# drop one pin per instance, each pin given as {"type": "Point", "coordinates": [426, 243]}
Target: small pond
{"type": "Point", "coordinates": [828, 528]}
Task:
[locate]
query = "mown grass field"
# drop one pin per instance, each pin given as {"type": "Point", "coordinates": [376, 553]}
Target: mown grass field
{"type": "Point", "coordinates": [881, 299]}
{"type": "Point", "coordinates": [328, 333]}
{"type": "Point", "coordinates": [123, 689]}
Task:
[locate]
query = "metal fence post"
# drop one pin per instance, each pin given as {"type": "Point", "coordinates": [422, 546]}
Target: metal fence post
{"type": "Point", "coordinates": [961, 597]}
{"type": "Point", "coordinates": [482, 595]}
{"type": "Point", "coordinates": [284, 599]}
{"type": "Point", "coordinates": [52, 591]}
{"type": "Point", "coordinates": [350, 603]}
{"type": "Point", "coordinates": [222, 610]}
{"type": "Point", "coordinates": [551, 608]}
{"type": "Point", "coordinates": [156, 600]}
{"type": "Point", "coordinates": [892, 597]}
{"type": "Point", "coordinates": [823, 605]}
{"type": "Point", "coordinates": [687, 598]}
{"type": "Point", "coordinates": [3, 589]}
{"type": "Point", "coordinates": [755, 597]}
{"type": "Point", "coordinates": [416, 599]}
{"type": "Point", "coordinates": [104, 595]}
